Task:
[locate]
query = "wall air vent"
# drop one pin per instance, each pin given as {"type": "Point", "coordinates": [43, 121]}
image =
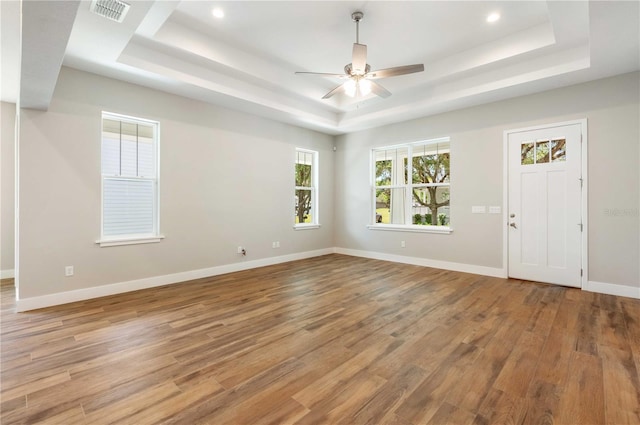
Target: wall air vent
{"type": "Point", "coordinates": [115, 10]}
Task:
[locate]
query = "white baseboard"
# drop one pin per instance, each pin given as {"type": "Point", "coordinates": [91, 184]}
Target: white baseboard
{"type": "Point", "coordinates": [603, 288]}
{"type": "Point", "coordinates": [425, 262]}
{"type": "Point", "coordinates": [613, 289]}
{"type": "Point", "coordinates": [7, 274]}
{"type": "Point", "coordinates": [50, 300]}
{"type": "Point", "coordinates": [59, 298]}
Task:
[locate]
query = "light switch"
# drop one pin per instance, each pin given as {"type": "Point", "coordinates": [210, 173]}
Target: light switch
{"type": "Point", "coordinates": [478, 209]}
{"type": "Point", "coordinates": [495, 210]}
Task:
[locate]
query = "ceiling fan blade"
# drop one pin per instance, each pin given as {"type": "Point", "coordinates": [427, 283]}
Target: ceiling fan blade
{"type": "Point", "coordinates": [323, 74]}
{"type": "Point", "coordinates": [334, 91]}
{"type": "Point", "coordinates": [377, 89]}
{"type": "Point", "coordinates": [359, 59]}
{"type": "Point", "coordinates": [392, 72]}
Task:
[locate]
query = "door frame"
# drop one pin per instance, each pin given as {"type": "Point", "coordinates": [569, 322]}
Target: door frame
{"type": "Point", "coordinates": [584, 249]}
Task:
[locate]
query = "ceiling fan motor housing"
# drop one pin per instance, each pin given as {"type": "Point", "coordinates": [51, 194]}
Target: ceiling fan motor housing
{"type": "Point", "coordinates": [348, 69]}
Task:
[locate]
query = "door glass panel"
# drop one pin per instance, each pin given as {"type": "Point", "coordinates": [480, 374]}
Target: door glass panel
{"type": "Point", "coordinates": [558, 150]}
{"type": "Point", "coordinates": [542, 152]}
{"type": "Point", "coordinates": [527, 151]}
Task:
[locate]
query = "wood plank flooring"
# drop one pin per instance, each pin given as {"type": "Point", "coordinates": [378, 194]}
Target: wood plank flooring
{"type": "Point", "coordinates": [328, 340]}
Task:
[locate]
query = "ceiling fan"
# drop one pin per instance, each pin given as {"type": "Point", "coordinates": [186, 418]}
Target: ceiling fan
{"type": "Point", "coordinates": [358, 73]}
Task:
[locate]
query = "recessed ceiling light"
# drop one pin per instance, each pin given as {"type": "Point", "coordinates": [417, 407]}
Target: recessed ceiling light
{"type": "Point", "coordinates": [218, 13]}
{"type": "Point", "coordinates": [493, 17]}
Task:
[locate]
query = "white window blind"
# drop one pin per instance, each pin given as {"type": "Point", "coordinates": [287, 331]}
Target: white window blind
{"type": "Point", "coordinates": [129, 177]}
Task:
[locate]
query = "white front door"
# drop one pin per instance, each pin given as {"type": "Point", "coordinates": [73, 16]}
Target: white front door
{"type": "Point", "coordinates": [545, 217]}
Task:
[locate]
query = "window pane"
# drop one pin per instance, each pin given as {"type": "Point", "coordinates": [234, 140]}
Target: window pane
{"type": "Point", "coordinates": [431, 163]}
{"type": "Point", "coordinates": [391, 166]}
{"type": "Point", "coordinates": [426, 201]}
{"type": "Point", "coordinates": [146, 152]}
{"type": "Point", "coordinates": [111, 126]}
{"type": "Point", "coordinates": [129, 150]}
{"type": "Point", "coordinates": [304, 169]}
{"type": "Point", "coordinates": [390, 206]}
{"type": "Point", "coordinates": [542, 152]}
{"type": "Point", "coordinates": [383, 172]}
{"type": "Point", "coordinates": [526, 153]}
{"type": "Point", "coordinates": [110, 154]}
{"type": "Point", "coordinates": [303, 175]}
{"type": "Point", "coordinates": [128, 207]}
{"type": "Point", "coordinates": [146, 158]}
{"type": "Point", "coordinates": [558, 150]}
{"type": "Point", "coordinates": [304, 206]}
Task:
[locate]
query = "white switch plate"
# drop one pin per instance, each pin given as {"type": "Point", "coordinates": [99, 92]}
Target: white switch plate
{"type": "Point", "coordinates": [495, 210]}
{"type": "Point", "coordinates": [68, 271]}
{"type": "Point", "coordinates": [478, 209]}
{"type": "Point", "coordinates": [402, 244]}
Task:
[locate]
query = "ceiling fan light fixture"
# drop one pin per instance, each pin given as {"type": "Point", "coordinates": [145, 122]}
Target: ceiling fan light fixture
{"type": "Point", "coordinates": [359, 87]}
{"type": "Point", "coordinates": [350, 88]}
{"type": "Point", "coordinates": [364, 86]}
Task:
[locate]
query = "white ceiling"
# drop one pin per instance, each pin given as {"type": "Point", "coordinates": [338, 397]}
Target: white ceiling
{"type": "Point", "coordinates": [247, 60]}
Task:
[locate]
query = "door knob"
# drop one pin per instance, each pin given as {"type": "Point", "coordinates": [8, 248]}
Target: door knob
{"type": "Point", "coordinates": [513, 225]}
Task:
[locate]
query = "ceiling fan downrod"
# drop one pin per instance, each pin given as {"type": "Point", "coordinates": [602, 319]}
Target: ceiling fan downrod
{"type": "Point", "coordinates": [357, 17]}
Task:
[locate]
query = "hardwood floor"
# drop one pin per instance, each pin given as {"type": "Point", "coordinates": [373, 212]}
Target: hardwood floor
{"type": "Point", "coordinates": [328, 340]}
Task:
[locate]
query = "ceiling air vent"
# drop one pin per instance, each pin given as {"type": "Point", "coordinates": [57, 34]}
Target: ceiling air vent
{"type": "Point", "coordinates": [115, 10]}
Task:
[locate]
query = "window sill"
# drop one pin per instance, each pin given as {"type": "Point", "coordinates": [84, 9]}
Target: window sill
{"type": "Point", "coordinates": [411, 228]}
{"type": "Point", "coordinates": [129, 241]}
{"type": "Point", "coordinates": [306, 226]}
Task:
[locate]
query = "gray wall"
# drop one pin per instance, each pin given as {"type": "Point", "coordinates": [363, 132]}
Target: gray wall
{"type": "Point", "coordinates": [7, 141]}
{"type": "Point", "coordinates": [226, 180]}
{"type": "Point", "coordinates": [612, 109]}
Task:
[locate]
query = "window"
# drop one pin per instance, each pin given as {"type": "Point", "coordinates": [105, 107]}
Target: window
{"type": "Point", "coordinates": [539, 152]}
{"type": "Point", "coordinates": [306, 192]}
{"type": "Point", "coordinates": [412, 197]}
{"type": "Point", "coordinates": [129, 180]}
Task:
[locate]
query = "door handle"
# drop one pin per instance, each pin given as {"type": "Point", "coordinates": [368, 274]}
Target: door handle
{"type": "Point", "coordinates": [513, 225]}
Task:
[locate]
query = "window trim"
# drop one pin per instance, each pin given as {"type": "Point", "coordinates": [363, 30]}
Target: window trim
{"type": "Point", "coordinates": [132, 239]}
{"type": "Point", "coordinates": [315, 189]}
{"type": "Point", "coordinates": [372, 173]}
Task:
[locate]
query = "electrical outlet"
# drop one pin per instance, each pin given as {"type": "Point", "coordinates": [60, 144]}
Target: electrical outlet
{"type": "Point", "coordinates": [68, 271]}
{"type": "Point", "coordinates": [402, 244]}
{"type": "Point", "coordinates": [240, 249]}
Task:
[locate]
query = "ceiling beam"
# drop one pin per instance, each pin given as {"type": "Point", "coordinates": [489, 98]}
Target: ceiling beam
{"type": "Point", "coordinates": [46, 27]}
